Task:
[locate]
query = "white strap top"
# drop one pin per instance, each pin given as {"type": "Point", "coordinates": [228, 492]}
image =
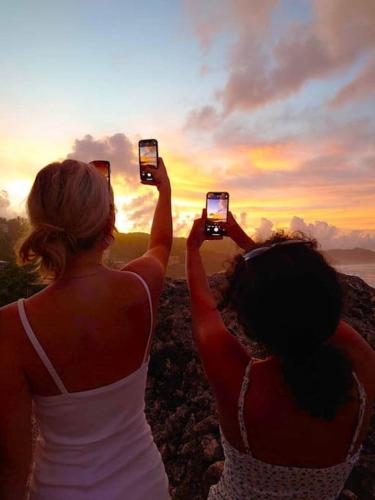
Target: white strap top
{"type": "Point", "coordinates": [245, 476]}
{"type": "Point", "coordinates": [41, 352]}
{"type": "Point", "coordinates": [241, 404]}
{"type": "Point", "coordinates": [96, 443]}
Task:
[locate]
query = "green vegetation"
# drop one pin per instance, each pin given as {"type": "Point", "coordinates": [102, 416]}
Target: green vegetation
{"type": "Point", "coordinates": [15, 281]}
{"type": "Point", "coordinates": [215, 254]}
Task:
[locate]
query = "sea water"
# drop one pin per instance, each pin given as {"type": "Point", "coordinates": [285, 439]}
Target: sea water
{"type": "Point", "coordinates": [364, 271]}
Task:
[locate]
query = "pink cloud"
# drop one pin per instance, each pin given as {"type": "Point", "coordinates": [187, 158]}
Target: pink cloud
{"type": "Point", "coordinates": [362, 86]}
{"type": "Point", "coordinates": [264, 231]}
{"type": "Point", "coordinates": [116, 148]}
{"type": "Point", "coordinates": [140, 210]}
{"type": "Point", "coordinates": [205, 117]}
{"type": "Point", "coordinates": [329, 236]}
{"type": "Point", "coordinates": [260, 71]}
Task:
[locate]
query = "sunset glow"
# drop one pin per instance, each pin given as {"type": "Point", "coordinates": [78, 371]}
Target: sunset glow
{"type": "Point", "coordinates": [268, 100]}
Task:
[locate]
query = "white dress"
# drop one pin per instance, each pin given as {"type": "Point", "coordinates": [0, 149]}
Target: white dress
{"type": "Point", "coordinates": [95, 444]}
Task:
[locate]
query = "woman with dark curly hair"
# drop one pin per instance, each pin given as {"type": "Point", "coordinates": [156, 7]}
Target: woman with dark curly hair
{"type": "Point", "coordinates": [292, 424]}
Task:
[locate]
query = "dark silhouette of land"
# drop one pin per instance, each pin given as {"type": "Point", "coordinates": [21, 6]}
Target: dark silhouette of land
{"type": "Point", "coordinates": [216, 254]}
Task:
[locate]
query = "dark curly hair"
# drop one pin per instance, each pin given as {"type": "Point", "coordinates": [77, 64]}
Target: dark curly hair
{"type": "Point", "coordinates": [290, 300]}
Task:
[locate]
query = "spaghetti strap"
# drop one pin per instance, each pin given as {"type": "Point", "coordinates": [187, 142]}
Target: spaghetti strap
{"type": "Point", "coordinates": [38, 348]}
{"type": "Point", "coordinates": [151, 312]}
{"type": "Point", "coordinates": [241, 404]}
{"type": "Point", "coordinates": [362, 407]}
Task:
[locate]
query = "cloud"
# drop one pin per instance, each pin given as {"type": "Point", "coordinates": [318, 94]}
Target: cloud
{"type": "Point", "coordinates": [329, 236]}
{"type": "Point", "coordinates": [262, 67]}
{"type": "Point", "coordinates": [264, 231]}
{"type": "Point", "coordinates": [118, 149]}
{"type": "Point", "coordinates": [243, 219]}
{"type": "Point", "coordinates": [205, 117]}
{"type": "Point", "coordinates": [139, 211]}
{"type": "Point", "coordinates": [5, 210]}
{"type": "Point", "coordinates": [361, 87]}
{"type": "Point", "coordinates": [207, 18]}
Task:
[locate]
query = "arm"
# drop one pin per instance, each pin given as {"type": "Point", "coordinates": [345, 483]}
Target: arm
{"type": "Point", "coordinates": [152, 265]}
{"type": "Point", "coordinates": [161, 236]}
{"type": "Point", "coordinates": [216, 346]}
{"type": "Point", "coordinates": [237, 234]}
{"type": "Point", "coordinates": [15, 424]}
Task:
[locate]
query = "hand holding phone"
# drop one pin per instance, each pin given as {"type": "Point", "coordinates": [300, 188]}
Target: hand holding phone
{"type": "Point", "coordinates": [148, 159]}
{"type": "Point", "coordinates": [198, 233]}
{"type": "Point", "coordinates": [161, 179]}
{"type": "Point", "coordinates": [217, 205]}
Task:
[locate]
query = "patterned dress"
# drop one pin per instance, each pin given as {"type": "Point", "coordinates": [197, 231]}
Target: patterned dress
{"type": "Point", "coordinates": [245, 477]}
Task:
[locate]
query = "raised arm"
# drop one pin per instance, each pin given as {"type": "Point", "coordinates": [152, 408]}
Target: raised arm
{"type": "Point", "coordinates": [237, 234]}
{"type": "Point", "coordinates": [161, 236]}
{"type": "Point", "coordinates": [153, 264]}
{"type": "Point", "coordinates": [217, 347]}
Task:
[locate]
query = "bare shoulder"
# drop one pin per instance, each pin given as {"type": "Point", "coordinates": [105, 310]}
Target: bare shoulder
{"type": "Point", "coordinates": [126, 283]}
{"type": "Point", "coordinates": [348, 339]}
{"type": "Point", "coordinates": [359, 351]}
{"type": "Point", "coordinates": [9, 318]}
{"type": "Point", "coordinates": [10, 329]}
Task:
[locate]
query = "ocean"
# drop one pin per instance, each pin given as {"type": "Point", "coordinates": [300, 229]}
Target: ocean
{"type": "Point", "coordinates": [364, 271]}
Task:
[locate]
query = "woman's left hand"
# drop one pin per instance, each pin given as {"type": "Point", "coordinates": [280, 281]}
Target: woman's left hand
{"type": "Point", "coordinates": [198, 234]}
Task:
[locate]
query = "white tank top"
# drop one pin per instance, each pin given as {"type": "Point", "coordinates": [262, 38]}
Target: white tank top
{"type": "Point", "coordinates": [95, 444]}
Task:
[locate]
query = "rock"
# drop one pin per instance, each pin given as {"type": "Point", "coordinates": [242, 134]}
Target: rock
{"type": "Point", "coordinates": [212, 475]}
{"type": "Point", "coordinates": [180, 407]}
{"type": "Point", "coordinates": [185, 416]}
{"type": "Point", "coordinates": [348, 495]}
{"type": "Point", "coordinates": [188, 449]}
{"type": "Point", "coordinates": [211, 448]}
{"type": "Point", "coordinates": [206, 425]}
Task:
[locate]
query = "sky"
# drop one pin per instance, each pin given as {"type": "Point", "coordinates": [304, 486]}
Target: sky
{"type": "Point", "coordinates": [270, 100]}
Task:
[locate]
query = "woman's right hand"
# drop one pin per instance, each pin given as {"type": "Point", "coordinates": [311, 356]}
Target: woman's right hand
{"type": "Point", "coordinates": [160, 175]}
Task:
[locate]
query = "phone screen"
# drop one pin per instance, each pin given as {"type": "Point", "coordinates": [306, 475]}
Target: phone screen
{"type": "Point", "coordinates": [148, 157]}
{"type": "Point", "coordinates": [217, 212]}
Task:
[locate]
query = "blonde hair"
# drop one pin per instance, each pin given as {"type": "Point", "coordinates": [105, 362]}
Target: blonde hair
{"type": "Point", "coordinates": [70, 209]}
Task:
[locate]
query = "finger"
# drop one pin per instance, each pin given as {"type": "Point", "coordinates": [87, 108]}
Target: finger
{"type": "Point", "coordinates": [150, 183]}
{"type": "Point", "coordinates": [207, 237]}
{"type": "Point", "coordinates": [204, 213]}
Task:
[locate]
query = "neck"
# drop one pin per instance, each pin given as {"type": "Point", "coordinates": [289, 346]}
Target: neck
{"type": "Point", "coordinates": [83, 264]}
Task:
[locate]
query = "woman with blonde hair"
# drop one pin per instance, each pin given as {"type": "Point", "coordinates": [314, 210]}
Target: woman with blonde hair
{"type": "Point", "coordinates": [79, 349]}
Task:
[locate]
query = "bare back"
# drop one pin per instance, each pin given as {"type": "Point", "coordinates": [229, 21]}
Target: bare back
{"type": "Point", "coordinates": [94, 330]}
{"type": "Point", "coordinates": [280, 433]}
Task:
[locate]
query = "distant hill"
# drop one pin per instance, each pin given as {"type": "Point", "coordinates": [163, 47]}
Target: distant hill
{"type": "Point", "coordinates": [215, 254]}
{"type": "Point", "coordinates": [351, 256]}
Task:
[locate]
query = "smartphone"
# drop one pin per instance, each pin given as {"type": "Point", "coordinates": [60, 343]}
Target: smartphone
{"type": "Point", "coordinates": [217, 205]}
{"type": "Point", "coordinates": [148, 157]}
{"type": "Point", "coordinates": [104, 167]}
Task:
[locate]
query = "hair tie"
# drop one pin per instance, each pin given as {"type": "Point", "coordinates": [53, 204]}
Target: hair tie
{"type": "Point", "coordinates": [54, 228]}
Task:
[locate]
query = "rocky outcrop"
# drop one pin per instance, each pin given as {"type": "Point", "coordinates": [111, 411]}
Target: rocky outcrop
{"type": "Point", "coordinates": [180, 406]}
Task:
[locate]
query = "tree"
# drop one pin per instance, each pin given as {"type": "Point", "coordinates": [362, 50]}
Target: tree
{"type": "Point", "coordinates": [11, 231]}
{"type": "Point", "coordinates": [18, 281]}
